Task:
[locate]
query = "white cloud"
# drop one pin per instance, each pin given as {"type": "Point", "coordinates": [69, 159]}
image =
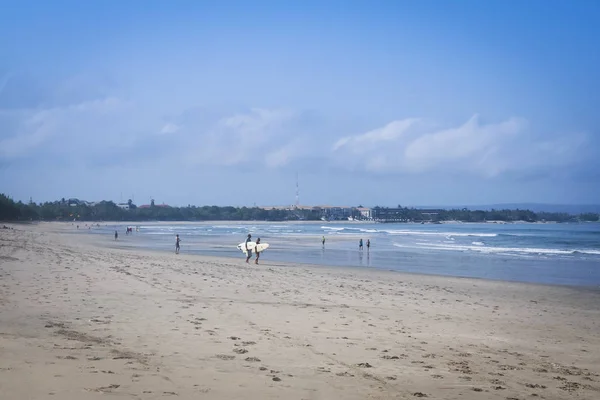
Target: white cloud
{"type": "Point", "coordinates": [473, 145]}
{"type": "Point", "coordinates": [296, 149]}
{"type": "Point", "coordinates": [256, 122]}
{"type": "Point", "coordinates": [81, 128]}
{"type": "Point", "coordinates": [410, 146]}
{"type": "Point", "coordinates": [109, 130]}
{"type": "Point", "coordinates": [389, 133]}
{"type": "Point", "coordinates": [169, 128]}
{"type": "Point", "coordinates": [259, 136]}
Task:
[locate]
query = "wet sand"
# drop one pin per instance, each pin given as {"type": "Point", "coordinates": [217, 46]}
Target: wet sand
{"type": "Point", "coordinates": [81, 319]}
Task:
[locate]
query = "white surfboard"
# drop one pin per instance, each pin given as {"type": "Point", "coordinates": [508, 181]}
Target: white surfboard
{"type": "Point", "coordinates": [253, 247]}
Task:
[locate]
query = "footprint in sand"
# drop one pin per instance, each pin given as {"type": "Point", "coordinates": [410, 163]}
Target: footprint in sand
{"type": "Point", "coordinates": [225, 357]}
{"type": "Point", "coordinates": [535, 386]}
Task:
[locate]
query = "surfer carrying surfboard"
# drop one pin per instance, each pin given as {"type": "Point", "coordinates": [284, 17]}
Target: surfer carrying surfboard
{"type": "Point", "coordinates": [249, 251]}
{"type": "Point", "coordinates": [257, 252]}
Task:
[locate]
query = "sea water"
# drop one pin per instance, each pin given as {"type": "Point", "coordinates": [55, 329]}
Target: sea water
{"type": "Point", "coordinates": [567, 254]}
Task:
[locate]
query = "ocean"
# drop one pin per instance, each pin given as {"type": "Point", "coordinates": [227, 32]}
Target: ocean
{"type": "Point", "coordinates": [564, 254]}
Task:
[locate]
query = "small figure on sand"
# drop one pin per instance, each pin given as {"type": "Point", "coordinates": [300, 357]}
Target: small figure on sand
{"type": "Point", "coordinates": [116, 235]}
{"type": "Point", "coordinates": [248, 251]}
{"type": "Point", "coordinates": [257, 252]}
{"type": "Point", "coordinates": [360, 244]}
{"type": "Point", "coordinates": [323, 241]}
{"type": "Point", "coordinates": [177, 240]}
{"type": "Point", "coordinates": [368, 244]}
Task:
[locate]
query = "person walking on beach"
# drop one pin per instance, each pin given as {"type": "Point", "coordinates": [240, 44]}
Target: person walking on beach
{"type": "Point", "coordinates": [248, 251]}
{"type": "Point", "coordinates": [177, 244]}
{"type": "Point", "coordinates": [257, 252]}
{"type": "Point", "coordinates": [116, 235]}
{"type": "Point", "coordinates": [368, 244]}
{"type": "Point", "coordinates": [360, 244]}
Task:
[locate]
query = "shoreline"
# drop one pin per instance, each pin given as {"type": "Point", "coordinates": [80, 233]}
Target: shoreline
{"type": "Point", "coordinates": [376, 270]}
{"type": "Point", "coordinates": [96, 241]}
{"type": "Point", "coordinates": [347, 238]}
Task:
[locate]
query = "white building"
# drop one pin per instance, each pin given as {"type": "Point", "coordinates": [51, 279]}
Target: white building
{"type": "Point", "coordinates": [364, 212]}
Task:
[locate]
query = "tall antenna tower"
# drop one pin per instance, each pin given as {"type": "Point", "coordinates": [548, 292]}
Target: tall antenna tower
{"type": "Point", "coordinates": [297, 192]}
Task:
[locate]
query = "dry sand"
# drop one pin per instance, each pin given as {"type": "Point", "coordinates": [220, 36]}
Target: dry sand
{"type": "Point", "coordinates": [81, 320]}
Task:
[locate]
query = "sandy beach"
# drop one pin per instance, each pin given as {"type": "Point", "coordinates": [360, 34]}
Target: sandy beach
{"type": "Point", "coordinates": [82, 319]}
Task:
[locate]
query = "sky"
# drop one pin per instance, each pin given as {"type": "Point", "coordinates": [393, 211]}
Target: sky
{"type": "Point", "coordinates": [367, 102]}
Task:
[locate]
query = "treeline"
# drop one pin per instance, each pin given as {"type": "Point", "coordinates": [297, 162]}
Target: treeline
{"type": "Point", "coordinates": [63, 210]}
{"type": "Point", "coordinates": [108, 211]}
{"type": "Point", "coordinates": [466, 215]}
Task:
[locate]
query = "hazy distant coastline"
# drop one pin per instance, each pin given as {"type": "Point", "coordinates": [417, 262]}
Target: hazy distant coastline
{"type": "Point", "coordinates": [80, 210]}
{"type": "Point", "coordinates": [573, 209]}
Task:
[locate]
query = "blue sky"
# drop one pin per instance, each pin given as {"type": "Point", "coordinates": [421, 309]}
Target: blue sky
{"type": "Point", "coordinates": [373, 103]}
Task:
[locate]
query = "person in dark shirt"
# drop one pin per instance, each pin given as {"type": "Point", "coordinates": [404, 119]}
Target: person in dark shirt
{"type": "Point", "coordinates": [177, 240]}
{"type": "Point", "coordinates": [248, 251]}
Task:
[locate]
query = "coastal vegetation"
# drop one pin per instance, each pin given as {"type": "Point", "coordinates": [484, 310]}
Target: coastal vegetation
{"type": "Point", "coordinates": [68, 210]}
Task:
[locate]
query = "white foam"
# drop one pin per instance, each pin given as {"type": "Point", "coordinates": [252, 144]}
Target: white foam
{"type": "Point", "coordinates": [446, 234]}
{"type": "Point", "coordinates": [500, 250]}
{"type": "Point", "coordinates": [332, 228]}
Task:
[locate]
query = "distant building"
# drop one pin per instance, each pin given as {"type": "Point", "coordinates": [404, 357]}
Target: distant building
{"type": "Point", "coordinates": [365, 212]}
{"type": "Point", "coordinates": [124, 206]}
{"type": "Point", "coordinates": [74, 202]}
{"type": "Point", "coordinates": [336, 212]}
{"type": "Point", "coordinates": [330, 213]}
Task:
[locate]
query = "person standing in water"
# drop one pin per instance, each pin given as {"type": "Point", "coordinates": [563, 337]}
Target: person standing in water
{"type": "Point", "coordinates": [257, 252]}
{"type": "Point", "coordinates": [177, 240]}
{"type": "Point", "coordinates": [360, 244]}
{"type": "Point", "coordinates": [248, 251]}
{"type": "Point", "coordinates": [116, 235]}
{"type": "Point", "coordinates": [368, 244]}
{"type": "Point", "coordinates": [323, 241]}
